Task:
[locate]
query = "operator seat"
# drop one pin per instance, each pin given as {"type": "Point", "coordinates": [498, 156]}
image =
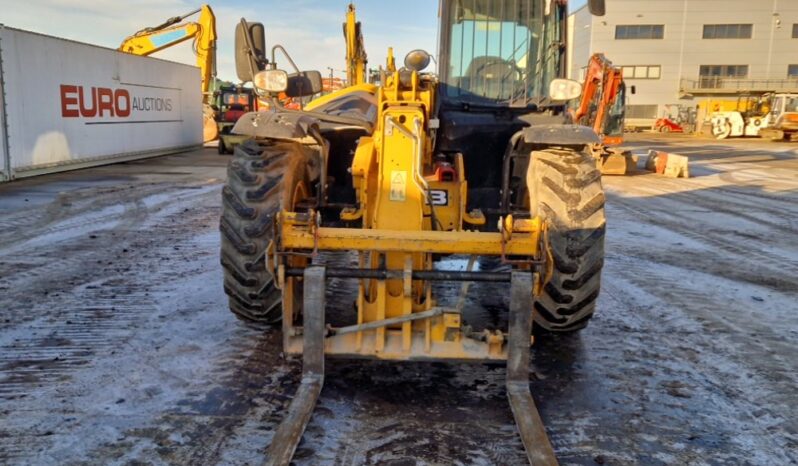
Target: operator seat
{"type": "Point", "coordinates": [492, 77]}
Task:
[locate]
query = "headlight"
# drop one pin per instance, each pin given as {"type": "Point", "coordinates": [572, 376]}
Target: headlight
{"type": "Point", "coordinates": [417, 60]}
{"type": "Point", "coordinates": [564, 89]}
{"type": "Point", "coordinates": [271, 80]}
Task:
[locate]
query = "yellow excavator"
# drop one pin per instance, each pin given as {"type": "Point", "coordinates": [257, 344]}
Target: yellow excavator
{"type": "Point", "coordinates": [174, 31]}
{"type": "Point", "coordinates": [479, 159]}
{"type": "Point", "coordinates": [356, 59]}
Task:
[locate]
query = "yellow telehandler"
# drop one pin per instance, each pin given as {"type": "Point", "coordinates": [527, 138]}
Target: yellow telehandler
{"type": "Point", "coordinates": [479, 159]}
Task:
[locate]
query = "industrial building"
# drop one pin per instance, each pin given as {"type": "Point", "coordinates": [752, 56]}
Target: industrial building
{"type": "Point", "coordinates": [677, 53]}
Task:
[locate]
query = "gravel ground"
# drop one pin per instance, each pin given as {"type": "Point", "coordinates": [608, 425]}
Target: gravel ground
{"type": "Point", "coordinates": [116, 346]}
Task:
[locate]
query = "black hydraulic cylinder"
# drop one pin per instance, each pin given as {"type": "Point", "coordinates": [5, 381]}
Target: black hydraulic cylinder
{"type": "Point", "coordinates": [430, 275]}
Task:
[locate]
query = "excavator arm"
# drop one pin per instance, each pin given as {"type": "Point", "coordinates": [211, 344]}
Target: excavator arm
{"type": "Point", "coordinates": [602, 108]}
{"type": "Point", "coordinates": [355, 50]}
{"type": "Point", "coordinates": [600, 91]}
{"type": "Point", "coordinates": [172, 32]}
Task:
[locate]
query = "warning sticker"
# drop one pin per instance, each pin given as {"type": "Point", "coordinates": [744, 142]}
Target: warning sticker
{"type": "Point", "coordinates": [398, 185]}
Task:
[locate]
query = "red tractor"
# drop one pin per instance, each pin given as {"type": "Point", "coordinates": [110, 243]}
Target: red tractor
{"type": "Point", "coordinates": [666, 125]}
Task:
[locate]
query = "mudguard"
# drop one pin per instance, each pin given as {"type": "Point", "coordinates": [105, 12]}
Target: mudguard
{"type": "Point", "coordinates": [566, 135]}
{"type": "Point", "coordinates": [292, 126]}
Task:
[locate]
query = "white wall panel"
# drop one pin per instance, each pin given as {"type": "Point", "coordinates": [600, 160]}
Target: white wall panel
{"type": "Point", "coordinates": [71, 104]}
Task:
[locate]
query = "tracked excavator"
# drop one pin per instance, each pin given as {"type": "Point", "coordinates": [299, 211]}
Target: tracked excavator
{"type": "Point", "coordinates": [175, 31]}
{"type": "Point", "coordinates": [602, 107]}
{"type": "Point", "coordinates": [478, 159]}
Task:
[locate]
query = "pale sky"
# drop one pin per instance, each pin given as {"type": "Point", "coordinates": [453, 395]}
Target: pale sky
{"type": "Point", "coordinates": [310, 30]}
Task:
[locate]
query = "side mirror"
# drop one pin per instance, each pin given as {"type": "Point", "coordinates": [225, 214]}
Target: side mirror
{"type": "Point", "coordinates": [250, 46]}
{"type": "Point", "coordinates": [597, 7]}
{"type": "Point", "coordinates": [303, 84]}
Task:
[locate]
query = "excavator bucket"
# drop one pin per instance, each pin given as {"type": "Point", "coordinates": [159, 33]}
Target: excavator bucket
{"type": "Point", "coordinates": [616, 162]}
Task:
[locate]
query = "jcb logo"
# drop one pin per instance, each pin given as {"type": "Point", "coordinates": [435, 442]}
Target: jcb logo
{"type": "Point", "coordinates": [76, 101]}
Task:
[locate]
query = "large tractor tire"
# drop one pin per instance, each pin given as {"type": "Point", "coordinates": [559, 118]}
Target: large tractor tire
{"type": "Point", "coordinates": [262, 178]}
{"type": "Point", "coordinates": [565, 189]}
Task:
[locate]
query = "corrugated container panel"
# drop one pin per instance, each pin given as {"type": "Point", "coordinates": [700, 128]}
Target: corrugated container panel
{"type": "Point", "coordinates": [4, 156]}
{"type": "Point", "coordinates": [70, 104]}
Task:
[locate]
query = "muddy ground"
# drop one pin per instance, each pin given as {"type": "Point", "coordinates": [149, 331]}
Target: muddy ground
{"type": "Point", "coordinates": [116, 346]}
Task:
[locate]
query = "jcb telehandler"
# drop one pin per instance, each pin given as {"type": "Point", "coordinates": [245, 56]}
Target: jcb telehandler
{"type": "Point", "coordinates": [479, 159]}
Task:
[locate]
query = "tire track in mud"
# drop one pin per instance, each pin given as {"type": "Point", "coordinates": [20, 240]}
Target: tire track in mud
{"type": "Point", "coordinates": [749, 382]}
{"type": "Point", "coordinates": [230, 419]}
{"type": "Point", "coordinates": [373, 412]}
{"type": "Point", "coordinates": [746, 205]}
{"type": "Point", "coordinates": [756, 258]}
{"type": "Point", "coordinates": [80, 300]}
{"type": "Point", "coordinates": [64, 206]}
{"type": "Point", "coordinates": [37, 266]}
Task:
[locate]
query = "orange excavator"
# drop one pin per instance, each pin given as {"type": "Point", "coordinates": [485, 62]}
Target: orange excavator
{"type": "Point", "coordinates": [602, 108]}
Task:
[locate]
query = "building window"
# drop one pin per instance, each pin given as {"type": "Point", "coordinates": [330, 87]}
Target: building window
{"type": "Point", "coordinates": [639, 31]}
{"type": "Point", "coordinates": [641, 72]}
{"type": "Point", "coordinates": [641, 111]}
{"type": "Point", "coordinates": [792, 71]}
{"type": "Point", "coordinates": [728, 31]}
{"type": "Point", "coordinates": [795, 31]}
{"type": "Point", "coordinates": [724, 71]}
{"type": "Point", "coordinates": [712, 76]}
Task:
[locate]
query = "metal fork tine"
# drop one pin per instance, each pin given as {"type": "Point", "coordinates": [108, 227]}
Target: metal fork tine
{"type": "Point", "coordinates": [290, 431]}
{"type": "Point", "coordinates": [538, 447]}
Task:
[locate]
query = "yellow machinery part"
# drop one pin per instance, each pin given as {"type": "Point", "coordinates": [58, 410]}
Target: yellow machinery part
{"type": "Point", "coordinates": [203, 32]}
{"type": "Point", "coordinates": [407, 214]}
{"type": "Point", "coordinates": [403, 225]}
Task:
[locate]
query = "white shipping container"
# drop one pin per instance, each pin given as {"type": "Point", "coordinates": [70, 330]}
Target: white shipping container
{"type": "Point", "coordinates": [69, 105]}
{"type": "Point", "coordinates": [4, 175]}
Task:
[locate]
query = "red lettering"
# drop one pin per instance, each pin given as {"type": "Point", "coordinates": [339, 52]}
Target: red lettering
{"type": "Point", "coordinates": [67, 101]}
{"type": "Point", "coordinates": [75, 102]}
{"type": "Point", "coordinates": [87, 112]}
{"type": "Point", "coordinates": [122, 95]}
{"type": "Point", "coordinates": [105, 100]}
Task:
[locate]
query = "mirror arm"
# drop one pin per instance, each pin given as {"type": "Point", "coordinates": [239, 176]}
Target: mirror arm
{"type": "Point", "coordinates": [282, 49]}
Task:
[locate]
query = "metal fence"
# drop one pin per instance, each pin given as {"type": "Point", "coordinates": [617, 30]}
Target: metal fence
{"type": "Point", "coordinates": [719, 84]}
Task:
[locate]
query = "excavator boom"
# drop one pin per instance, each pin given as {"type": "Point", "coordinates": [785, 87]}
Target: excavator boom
{"type": "Point", "coordinates": [601, 89]}
{"type": "Point", "coordinates": [602, 108]}
{"type": "Point", "coordinates": [172, 32]}
{"type": "Point", "coordinates": [355, 50]}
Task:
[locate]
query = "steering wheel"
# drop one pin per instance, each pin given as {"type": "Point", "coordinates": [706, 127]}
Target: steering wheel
{"type": "Point", "coordinates": [511, 67]}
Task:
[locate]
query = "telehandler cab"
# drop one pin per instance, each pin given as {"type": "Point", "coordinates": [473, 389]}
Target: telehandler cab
{"type": "Point", "coordinates": [479, 159]}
